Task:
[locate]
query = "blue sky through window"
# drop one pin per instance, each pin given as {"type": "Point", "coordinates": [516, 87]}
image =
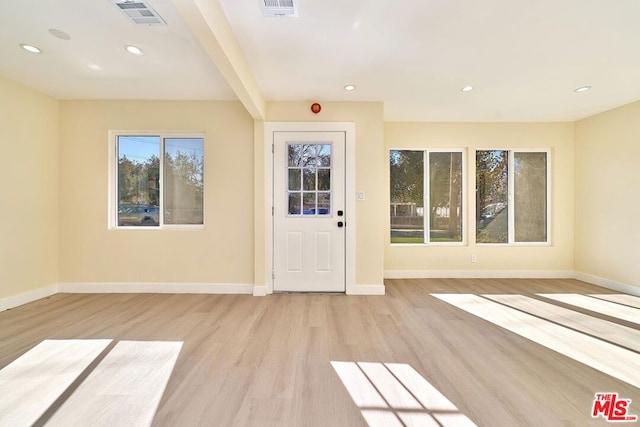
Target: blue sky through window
{"type": "Point", "coordinates": [173, 146]}
{"type": "Point", "coordinates": [138, 149]}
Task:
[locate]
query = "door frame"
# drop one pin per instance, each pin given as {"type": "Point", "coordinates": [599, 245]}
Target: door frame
{"type": "Point", "coordinates": [349, 130]}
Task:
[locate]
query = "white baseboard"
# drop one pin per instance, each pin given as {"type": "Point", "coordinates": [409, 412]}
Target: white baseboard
{"type": "Point", "coordinates": [260, 291]}
{"type": "Point", "coordinates": [227, 288]}
{"type": "Point", "coordinates": [156, 288]}
{"type": "Point", "coordinates": [478, 274]}
{"type": "Point", "coordinates": [366, 290]}
{"type": "Point", "coordinates": [27, 297]}
{"type": "Point", "coordinates": [513, 274]}
{"type": "Point", "coordinates": [609, 284]}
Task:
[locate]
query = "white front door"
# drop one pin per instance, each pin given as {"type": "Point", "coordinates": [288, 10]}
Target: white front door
{"type": "Point", "coordinates": [309, 217]}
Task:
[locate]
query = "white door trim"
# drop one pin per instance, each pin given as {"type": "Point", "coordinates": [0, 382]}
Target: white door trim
{"type": "Point", "coordinates": [350, 189]}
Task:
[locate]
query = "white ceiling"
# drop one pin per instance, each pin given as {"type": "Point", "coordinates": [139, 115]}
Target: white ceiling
{"type": "Point", "coordinates": [523, 58]}
{"type": "Point", "coordinates": [173, 66]}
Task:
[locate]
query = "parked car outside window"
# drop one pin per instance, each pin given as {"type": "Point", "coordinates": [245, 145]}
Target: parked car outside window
{"type": "Point", "coordinates": [138, 215]}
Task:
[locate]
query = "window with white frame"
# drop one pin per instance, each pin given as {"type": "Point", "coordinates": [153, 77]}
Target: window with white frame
{"type": "Point", "coordinates": [512, 196]}
{"type": "Point", "coordinates": [427, 193]}
{"type": "Point", "coordinates": [158, 180]}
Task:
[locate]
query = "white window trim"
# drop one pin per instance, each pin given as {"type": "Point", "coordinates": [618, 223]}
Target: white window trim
{"type": "Point", "coordinates": [113, 179]}
{"type": "Point", "coordinates": [510, 196]}
{"type": "Point", "coordinates": [427, 195]}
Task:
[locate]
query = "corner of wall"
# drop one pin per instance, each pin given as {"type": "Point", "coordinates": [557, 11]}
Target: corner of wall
{"type": "Point", "coordinates": [30, 232]}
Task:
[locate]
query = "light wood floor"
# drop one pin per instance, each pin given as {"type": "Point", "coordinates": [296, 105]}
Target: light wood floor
{"type": "Point", "coordinates": [266, 361]}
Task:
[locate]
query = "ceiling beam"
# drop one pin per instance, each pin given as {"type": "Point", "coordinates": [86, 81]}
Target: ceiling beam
{"type": "Point", "coordinates": [207, 21]}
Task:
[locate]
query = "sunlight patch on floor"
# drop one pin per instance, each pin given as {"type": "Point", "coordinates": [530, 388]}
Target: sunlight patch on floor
{"type": "Point", "coordinates": [596, 305]}
{"type": "Point", "coordinates": [32, 383]}
{"type": "Point", "coordinates": [608, 358]}
{"type": "Point", "coordinates": [395, 394]}
{"type": "Point", "coordinates": [392, 391]}
{"type": "Point", "coordinates": [124, 388]}
{"type": "Point", "coordinates": [630, 300]}
{"type": "Point", "coordinates": [604, 329]}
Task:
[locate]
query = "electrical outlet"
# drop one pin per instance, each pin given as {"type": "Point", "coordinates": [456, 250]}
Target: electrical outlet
{"type": "Point", "coordinates": [474, 258]}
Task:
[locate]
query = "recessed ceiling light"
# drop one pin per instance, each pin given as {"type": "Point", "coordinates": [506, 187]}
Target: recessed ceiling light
{"type": "Point", "coordinates": [349, 87]}
{"type": "Point", "coordinates": [467, 89]}
{"type": "Point", "coordinates": [583, 89]}
{"type": "Point", "coordinates": [59, 34]}
{"type": "Point", "coordinates": [30, 48]}
{"type": "Point", "coordinates": [134, 50]}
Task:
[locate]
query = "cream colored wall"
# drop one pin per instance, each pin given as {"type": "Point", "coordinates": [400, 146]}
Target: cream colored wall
{"type": "Point", "coordinates": [92, 253]}
{"type": "Point", "coordinates": [559, 137]}
{"type": "Point", "coordinates": [259, 237]}
{"type": "Point", "coordinates": [370, 160]}
{"type": "Point", "coordinates": [28, 189]}
{"type": "Point", "coordinates": [54, 216]}
{"type": "Point", "coordinates": [607, 201]}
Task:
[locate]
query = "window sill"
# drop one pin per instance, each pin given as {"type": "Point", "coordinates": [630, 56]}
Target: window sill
{"type": "Point", "coordinates": [160, 228]}
{"type": "Point", "coordinates": [430, 245]}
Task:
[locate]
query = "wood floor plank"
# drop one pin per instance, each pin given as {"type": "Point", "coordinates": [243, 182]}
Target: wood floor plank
{"type": "Point", "coordinates": [249, 361]}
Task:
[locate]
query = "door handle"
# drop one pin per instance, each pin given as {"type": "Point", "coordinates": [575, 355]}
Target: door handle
{"type": "Point", "coordinates": [340, 224]}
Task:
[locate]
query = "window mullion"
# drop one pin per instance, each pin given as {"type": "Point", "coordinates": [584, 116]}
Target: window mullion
{"type": "Point", "coordinates": [548, 191]}
{"type": "Point", "coordinates": [115, 198]}
{"type": "Point", "coordinates": [161, 182]}
{"type": "Point", "coordinates": [511, 197]}
{"type": "Point", "coordinates": [464, 217]}
{"type": "Point", "coordinates": [426, 210]}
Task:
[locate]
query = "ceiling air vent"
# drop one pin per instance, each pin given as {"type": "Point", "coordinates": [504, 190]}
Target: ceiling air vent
{"type": "Point", "coordinates": [139, 13]}
{"type": "Point", "coordinates": [279, 8]}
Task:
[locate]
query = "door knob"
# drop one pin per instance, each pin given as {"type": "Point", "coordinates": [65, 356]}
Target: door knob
{"type": "Point", "coordinates": [340, 224]}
